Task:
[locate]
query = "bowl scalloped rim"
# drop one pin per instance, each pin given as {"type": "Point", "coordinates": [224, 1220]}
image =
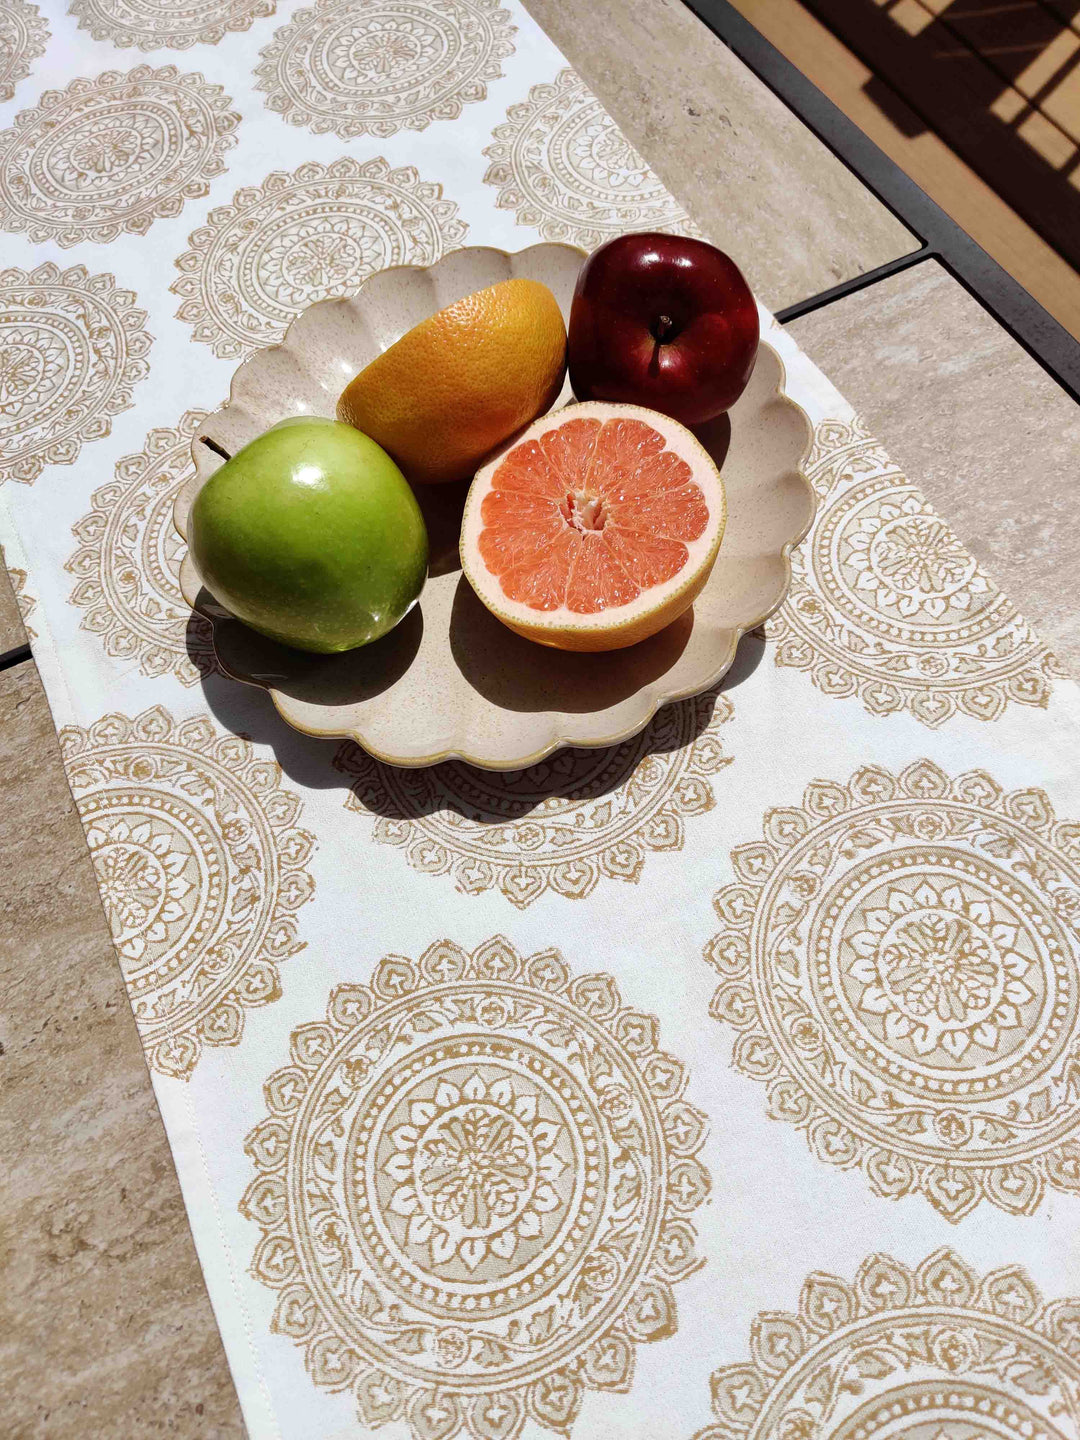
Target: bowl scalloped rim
{"type": "Point", "coordinates": [655, 694]}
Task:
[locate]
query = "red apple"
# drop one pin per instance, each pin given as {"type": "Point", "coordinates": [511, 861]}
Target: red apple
{"type": "Point", "coordinates": [662, 321]}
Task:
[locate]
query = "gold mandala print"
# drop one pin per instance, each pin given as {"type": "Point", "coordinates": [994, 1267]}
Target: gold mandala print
{"type": "Point", "coordinates": [111, 155]}
{"type": "Point", "coordinates": [24, 602]}
{"type": "Point", "coordinates": [128, 562]}
{"type": "Point", "coordinates": [164, 24]}
{"type": "Point", "coordinates": [561, 825]}
{"type": "Point", "coordinates": [474, 1186]}
{"type": "Point", "coordinates": [374, 67]}
{"type": "Point", "coordinates": [201, 869]}
{"type": "Point", "coordinates": [900, 957]}
{"type": "Point", "coordinates": [938, 1352]}
{"type": "Point", "coordinates": [23, 37]}
{"type": "Point", "coordinates": [72, 349]}
{"type": "Point", "coordinates": [887, 605]}
{"type": "Point", "coordinates": [302, 237]}
{"type": "Point", "coordinates": [565, 169]}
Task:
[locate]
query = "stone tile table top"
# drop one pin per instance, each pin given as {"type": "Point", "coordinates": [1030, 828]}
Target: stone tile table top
{"type": "Point", "coordinates": [976, 422]}
{"type": "Point", "coordinates": [759, 184]}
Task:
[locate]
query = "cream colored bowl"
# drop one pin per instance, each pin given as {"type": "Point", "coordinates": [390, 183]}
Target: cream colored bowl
{"type": "Point", "coordinates": [451, 681]}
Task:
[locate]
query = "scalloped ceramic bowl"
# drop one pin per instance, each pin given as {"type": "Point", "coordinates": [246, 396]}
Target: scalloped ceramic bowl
{"type": "Point", "coordinates": [450, 680]}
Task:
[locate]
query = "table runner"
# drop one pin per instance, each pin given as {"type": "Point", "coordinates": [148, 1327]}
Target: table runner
{"type": "Point", "coordinates": [721, 1083]}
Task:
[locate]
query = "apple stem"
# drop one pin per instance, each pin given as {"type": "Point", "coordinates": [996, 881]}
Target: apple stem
{"type": "Point", "coordinates": [663, 327]}
{"type": "Point", "coordinates": [213, 445]}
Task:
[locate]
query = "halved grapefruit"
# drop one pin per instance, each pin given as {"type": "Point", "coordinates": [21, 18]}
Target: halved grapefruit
{"type": "Point", "coordinates": [597, 528]}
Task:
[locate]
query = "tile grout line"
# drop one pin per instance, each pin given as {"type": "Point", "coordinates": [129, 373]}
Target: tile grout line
{"type": "Point", "coordinates": [14, 657]}
{"type": "Point", "coordinates": [854, 285]}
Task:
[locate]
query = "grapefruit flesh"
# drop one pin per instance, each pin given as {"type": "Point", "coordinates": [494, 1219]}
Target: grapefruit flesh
{"type": "Point", "coordinates": [596, 529]}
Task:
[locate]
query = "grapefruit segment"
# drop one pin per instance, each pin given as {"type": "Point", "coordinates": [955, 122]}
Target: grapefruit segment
{"type": "Point", "coordinates": [597, 581]}
{"type": "Point", "coordinates": [532, 474]}
{"type": "Point", "coordinates": [680, 514]}
{"type": "Point", "coordinates": [507, 511]}
{"type": "Point", "coordinates": [649, 560]}
{"type": "Point", "coordinates": [629, 459]}
{"type": "Point", "coordinates": [569, 450]}
{"type": "Point", "coordinates": [538, 580]}
{"type": "Point", "coordinates": [596, 529]}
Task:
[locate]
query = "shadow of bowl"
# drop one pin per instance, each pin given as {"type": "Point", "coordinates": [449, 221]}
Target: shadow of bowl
{"type": "Point", "coordinates": [500, 797]}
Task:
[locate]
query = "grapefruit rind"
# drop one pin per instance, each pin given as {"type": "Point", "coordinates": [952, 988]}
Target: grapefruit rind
{"type": "Point", "coordinates": [450, 390]}
{"type": "Point", "coordinates": [619, 625]}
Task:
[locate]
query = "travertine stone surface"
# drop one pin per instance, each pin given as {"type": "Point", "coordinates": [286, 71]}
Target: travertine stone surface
{"type": "Point", "coordinates": [975, 422]}
{"type": "Point", "coordinates": [752, 175]}
{"type": "Point", "coordinates": [105, 1325]}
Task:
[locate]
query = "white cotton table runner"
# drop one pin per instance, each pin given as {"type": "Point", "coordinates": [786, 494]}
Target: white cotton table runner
{"type": "Point", "coordinates": [726, 1082]}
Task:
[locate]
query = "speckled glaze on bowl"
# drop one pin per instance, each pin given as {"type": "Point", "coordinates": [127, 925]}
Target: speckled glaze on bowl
{"type": "Point", "coordinates": [450, 680]}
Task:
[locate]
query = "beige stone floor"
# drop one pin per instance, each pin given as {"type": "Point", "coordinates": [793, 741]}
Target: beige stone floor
{"type": "Point", "coordinates": [105, 1327]}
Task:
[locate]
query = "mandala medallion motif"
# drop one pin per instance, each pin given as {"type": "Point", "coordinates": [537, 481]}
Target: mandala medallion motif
{"type": "Point", "coordinates": [900, 956]}
{"type": "Point", "coordinates": [302, 237]}
{"type": "Point", "coordinates": [128, 562]}
{"type": "Point", "coordinates": [565, 169]}
{"type": "Point", "coordinates": [938, 1352]}
{"type": "Point", "coordinates": [24, 35]}
{"type": "Point", "coordinates": [474, 1185]}
{"type": "Point", "coordinates": [374, 67]}
{"type": "Point", "coordinates": [72, 350]}
{"type": "Point", "coordinates": [561, 825]}
{"type": "Point", "coordinates": [165, 24]}
{"type": "Point", "coordinates": [887, 605]}
{"type": "Point", "coordinates": [25, 603]}
{"type": "Point", "coordinates": [109, 156]}
{"type": "Point", "coordinates": [201, 870]}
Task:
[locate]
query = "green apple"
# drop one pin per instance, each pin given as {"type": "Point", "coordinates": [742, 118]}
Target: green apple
{"type": "Point", "coordinates": [310, 534]}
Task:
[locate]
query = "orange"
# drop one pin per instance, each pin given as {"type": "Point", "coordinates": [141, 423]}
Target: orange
{"type": "Point", "coordinates": [596, 529]}
{"type": "Point", "coordinates": [461, 382]}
